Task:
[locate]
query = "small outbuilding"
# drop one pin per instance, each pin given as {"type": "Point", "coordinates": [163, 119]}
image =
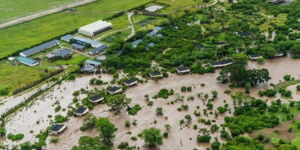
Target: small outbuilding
{"type": "Point", "coordinates": [153, 8]}
{"type": "Point", "coordinates": [154, 32]}
{"type": "Point", "coordinates": [90, 66]}
{"type": "Point", "coordinates": [60, 54]}
{"type": "Point", "coordinates": [130, 82]}
{"type": "Point", "coordinates": [254, 56]}
{"type": "Point", "coordinates": [114, 90]}
{"type": "Point", "coordinates": [27, 61]}
{"type": "Point", "coordinates": [96, 99]}
{"type": "Point", "coordinates": [81, 111]}
{"type": "Point", "coordinates": [244, 33]}
{"type": "Point", "coordinates": [98, 50]}
{"type": "Point", "coordinates": [136, 43]}
{"type": "Point", "coordinates": [223, 63]}
{"type": "Point", "coordinates": [156, 74]}
{"type": "Point", "coordinates": [183, 70]}
{"type": "Point", "coordinates": [57, 129]}
{"type": "Point", "coordinates": [78, 46]}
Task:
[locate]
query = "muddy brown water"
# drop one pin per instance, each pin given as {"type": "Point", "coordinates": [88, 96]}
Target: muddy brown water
{"type": "Point", "coordinates": [180, 137]}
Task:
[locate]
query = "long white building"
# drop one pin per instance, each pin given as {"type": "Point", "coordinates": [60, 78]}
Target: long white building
{"type": "Point", "coordinates": [95, 28]}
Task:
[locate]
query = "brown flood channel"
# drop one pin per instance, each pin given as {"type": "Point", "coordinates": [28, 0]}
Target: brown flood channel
{"type": "Point", "coordinates": [180, 137]}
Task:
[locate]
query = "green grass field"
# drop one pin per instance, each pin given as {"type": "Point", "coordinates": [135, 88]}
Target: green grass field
{"type": "Point", "coordinates": [10, 9]}
{"type": "Point", "coordinates": [34, 32]}
{"type": "Point", "coordinates": [17, 76]}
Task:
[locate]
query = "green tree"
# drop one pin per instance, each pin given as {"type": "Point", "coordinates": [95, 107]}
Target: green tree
{"type": "Point", "coordinates": [89, 143]}
{"type": "Point", "coordinates": [117, 102]}
{"type": "Point", "coordinates": [107, 130]}
{"type": "Point", "coordinates": [152, 137]}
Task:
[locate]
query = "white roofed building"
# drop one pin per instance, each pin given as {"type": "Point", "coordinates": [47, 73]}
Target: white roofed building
{"type": "Point", "coordinates": [95, 28]}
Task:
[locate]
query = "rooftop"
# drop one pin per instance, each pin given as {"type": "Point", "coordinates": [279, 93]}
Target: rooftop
{"type": "Point", "coordinates": [244, 33]}
{"type": "Point", "coordinates": [183, 68]}
{"type": "Point", "coordinates": [154, 31]}
{"type": "Point", "coordinates": [255, 55]}
{"type": "Point", "coordinates": [155, 73]}
{"type": "Point", "coordinates": [154, 8]}
{"type": "Point", "coordinates": [39, 48]}
{"type": "Point", "coordinates": [80, 110]}
{"type": "Point", "coordinates": [130, 81]}
{"type": "Point", "coordinates": [96, 97]}
{"type": "Point", "coordinates": [56, 127]}
{"type": "Point", "coordinates": [223, 62]}
{"type": "Point", "coordinates": [92, 62]}
{"type": "Point", "coordinates": [98, 50]}
{"type": "Point", "coordinates": [114, 89]}
{"type": "Point", "coordinates": [136, 43]}
{"type": "Point", "coordinates": [98, 25]}
{"type": "Point", "coordinates": [27, 61]}
{"type": "Point", "coordinates": [93, 43]}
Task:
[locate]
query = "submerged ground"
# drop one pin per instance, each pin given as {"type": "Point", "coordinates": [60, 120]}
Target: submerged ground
{"type": "Point", "coordinates": [35, 117]}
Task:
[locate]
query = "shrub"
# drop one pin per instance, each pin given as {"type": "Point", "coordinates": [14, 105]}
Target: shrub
{"type": "Point", "coordinates": [127, 124]}
{"type": "Point", "coordinates": [287, 77]}
{"type": "Point", "coordinates": [159, 111]}
{"type": "Point", "coordinates": [54, 140]}
{"type": "Point", "coordinates": [2, 131]}
{"type": "Point", "coordinates": [134, 110]}
{"type": "Point", "coordinates": [16, 137]}
{"type": "Point", "coordinates": [268, 93]}
{"type": "Point", "coordinates": [123, 145]}
{"type": "Point", "coordinates": [60, 119]}
{"type": "Point", "coordinates": [164, 93]}
{"type": "Point", "coordinates": [215, 145]}
{"type": "Point", "coordinates": [298, 87]}
{"type": "Point", "coordinates": [203, 138]}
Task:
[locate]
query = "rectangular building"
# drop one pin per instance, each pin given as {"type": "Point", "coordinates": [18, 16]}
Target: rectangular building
{"type": "Point", "coordinates": [39, 48]}
{"type": "Point", "coordinates": [95, 28]}
{"type": "Point", "coordinates": [27, 61]}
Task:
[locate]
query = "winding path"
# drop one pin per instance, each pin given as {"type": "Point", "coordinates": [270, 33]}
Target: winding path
{"type": "Point", "coordinates": [130, 14]}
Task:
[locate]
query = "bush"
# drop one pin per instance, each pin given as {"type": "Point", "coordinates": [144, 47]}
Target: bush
{"type": "Point", "coordinates": [60, 119]}
{"type": "Point", "coordinates": [287, 77]}
{"type": "Point", "coordinates": [54, 140]}
{"type": "Point", "coordinates": [159, 111]}
{"type": "Point", "coordinates": [127, 124]}
{"type": "Point", "coordinates": [215, 145]}
{"type": "Point", "coordinates": [164, 93]}
{"type": "Point", "coordinates": [88, 122]}
{"type": "Point", "coordinates": [298, 87]}
{"type": "Point", "coordinates": [16, 137]}
{"type": "Point", "coordinates": [268, 93]}
{"type": "Point", "coordinates": [134, 110]}
{"type": "Point", "coordinates": [4, 91]}
{"type": "Point", "coordinates": [2, 131]}
{"type": "Point", "coordinates": [123, 145]}
{"type": "Point", "coordinates": [285, 93]}
{"type": "Point", "coordinates": [203, 138]}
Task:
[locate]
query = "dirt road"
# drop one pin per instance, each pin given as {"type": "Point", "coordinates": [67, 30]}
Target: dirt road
{"type": "Point", "coordinates": [44, 13]}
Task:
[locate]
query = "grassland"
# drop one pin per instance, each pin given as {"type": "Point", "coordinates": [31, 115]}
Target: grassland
{"type": "Point", "coordinates": [10, 9]}
{"type": "Point", "coordinates": [34, 32]}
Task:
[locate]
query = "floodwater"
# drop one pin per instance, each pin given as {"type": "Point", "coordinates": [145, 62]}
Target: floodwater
{"type": "Point", "coordinates": [180, 136]}
{"type": "Point", "coordinates": [31, 120]}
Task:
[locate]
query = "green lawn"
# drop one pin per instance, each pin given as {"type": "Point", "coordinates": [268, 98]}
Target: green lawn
{"type": "Point", "coordinates": [34, 32]}
{"type": "Point", "coordinates": [10, 9]}
{"type": "Point", "coordinates": [17, 76]}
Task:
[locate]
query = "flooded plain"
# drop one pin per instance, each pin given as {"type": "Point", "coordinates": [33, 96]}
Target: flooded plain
{"type": "Point", "coordinates": [181, 136]}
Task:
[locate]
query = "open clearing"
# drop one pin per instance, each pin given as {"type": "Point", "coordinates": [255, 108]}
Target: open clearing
{"type": "Point", "coordinates": [10, 9]}
{"type": "Point", "coordinates": [24, 35]}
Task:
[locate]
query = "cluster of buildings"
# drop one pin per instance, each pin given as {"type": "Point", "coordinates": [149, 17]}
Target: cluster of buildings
{"type": "Point", "coordinates": [79, 43]}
